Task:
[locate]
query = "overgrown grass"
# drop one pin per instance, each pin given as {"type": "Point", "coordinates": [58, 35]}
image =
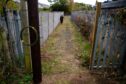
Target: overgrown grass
{"type": "Point", "coordinates": [25, 79]}
{"type": "Point", "coordinates": [85, 54]}
{"type": "Point", "coordinates": [18, 79]}
{"type": "Point", "coordinates": [51, 62]}
{"type": "Point", "coordinates": [62, 82]}
{"type": "Point", "coordinates": [84, 48]}
{"type": "Point", "coordinates": [9, 73]}
{"type": "Point", "coordinates": [48, 66]}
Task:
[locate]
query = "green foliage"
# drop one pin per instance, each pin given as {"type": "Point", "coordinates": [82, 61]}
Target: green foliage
{"type": "Point", "coordinates": [9, 4]}
{"type": "Point", "coordinates": [61, 5]}
{"type": "Point", "coordinates": [44, 9]}
{"type": "Point", "coordinates": [10, 73]}
{"type": "Point", "coordinates": [2, 4]}
{"type": "Point", "coordinates": [26, 79]}
{"type": "Point", "coordinates": [85, 56]}
{"type": "Point", "coordinates": [121, 16]}
{"type": "Point", "coordinates": [63, 2]}
{"type": "Point", "coordinates": [48, 66]}
{"type": "Point", "coordinates": [82, 6]}
{"type": "Point", "coordinates": [12, 5]}
{"type": "Point", "coordinates": [84, 49]}
{"type": "Point", "coordinates": [18, 79]}
{"type": "Point", "coordinates": [23, 79]}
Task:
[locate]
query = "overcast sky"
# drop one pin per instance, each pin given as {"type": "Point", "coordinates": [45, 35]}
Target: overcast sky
{"type": "Point", "coordinates": [92, 2]}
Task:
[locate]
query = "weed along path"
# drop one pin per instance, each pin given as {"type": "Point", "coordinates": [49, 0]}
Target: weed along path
{"type": "Point", "coordinates": [62, 57]}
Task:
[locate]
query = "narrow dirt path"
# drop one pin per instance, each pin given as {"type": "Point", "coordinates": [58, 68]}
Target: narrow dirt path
{"type": "Point", "coordinates": [59, 58]}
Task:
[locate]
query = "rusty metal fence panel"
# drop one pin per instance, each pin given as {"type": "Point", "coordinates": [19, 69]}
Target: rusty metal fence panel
{"type": "Point", "coordinates": [110, 46]}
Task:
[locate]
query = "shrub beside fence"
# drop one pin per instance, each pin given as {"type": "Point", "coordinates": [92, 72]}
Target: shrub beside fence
{"type": "Point", "coordinates": [84, 20]}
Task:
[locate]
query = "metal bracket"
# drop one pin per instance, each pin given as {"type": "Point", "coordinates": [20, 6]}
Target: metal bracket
{"type": "Point", "coordinates": [21, 37]}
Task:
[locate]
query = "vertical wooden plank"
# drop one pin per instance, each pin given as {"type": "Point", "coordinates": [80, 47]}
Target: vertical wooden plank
{"type": "Point", "coordinates": [35, 49]}
{"type": "Point", "coordinates": [24, 23]}
{"type": "Point", "coordinates": [98, 10]}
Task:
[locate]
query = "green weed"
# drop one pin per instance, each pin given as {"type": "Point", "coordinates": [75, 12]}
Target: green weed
{"type": "Point", "coordinates": [48, 66]}
{"type": "Point", "coordinates": [84, 48]}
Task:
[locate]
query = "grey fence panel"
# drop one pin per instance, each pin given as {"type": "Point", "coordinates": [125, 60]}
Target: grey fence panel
{"type": "Point", "coordinates": [3, 23]}
{"type": "Point", "coordinates": [17, 21]}
{"type": "Point", "coordinates": [58, 18]}
{"type": "Point", "coordinates": [40, 28]}
{"type": "Point", "coordinates": [12, 32]}
{"type": "Point", "coordinates": [12, 28]}
{"type": "Point", "coordinates": [50, 23]}
{"type": "Point", "coordinates": [45, 26]}
{"type": "Point", "coordinates": [55, 19]}
{"type": "Point", "coordinates": [84, 20]}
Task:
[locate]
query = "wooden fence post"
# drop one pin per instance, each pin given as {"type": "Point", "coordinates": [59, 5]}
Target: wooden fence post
{"type": "Point", "coordinates": [35, 49]}
{"type": "Point", "coordinates": [98, 10]}
{"type": "Point", "coordinates": [24, 23]}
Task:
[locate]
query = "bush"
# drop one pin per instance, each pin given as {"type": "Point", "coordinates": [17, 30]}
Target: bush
{"type": "Point", "coordinates": [84, 20]}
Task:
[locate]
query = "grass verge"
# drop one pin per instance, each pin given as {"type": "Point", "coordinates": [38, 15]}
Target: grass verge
{"type": "Point", "coordinates": [84, 48]}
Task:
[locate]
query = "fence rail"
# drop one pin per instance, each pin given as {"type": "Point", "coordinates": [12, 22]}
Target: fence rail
{"type": "Point", "coordinates": [48, 22]}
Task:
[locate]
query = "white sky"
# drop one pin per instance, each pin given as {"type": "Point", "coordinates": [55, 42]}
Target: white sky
{"type": "Point", "coordinates": [92, 2]}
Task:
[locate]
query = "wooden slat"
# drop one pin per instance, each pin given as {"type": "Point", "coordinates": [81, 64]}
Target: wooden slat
{"type": "Point", "coordinates": [98, 10]}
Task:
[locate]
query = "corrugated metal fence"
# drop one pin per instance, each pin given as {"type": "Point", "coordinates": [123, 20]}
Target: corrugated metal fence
{"type": "Point", "coordinates": [110, 46]}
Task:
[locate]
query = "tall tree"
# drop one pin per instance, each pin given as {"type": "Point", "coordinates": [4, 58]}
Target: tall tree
{"type": "Point", "coordinates": [8, 4]}
{"type": "Point", "coordinates": [82, 6]}
{"type": "Point", "coordinates": [61, 5]}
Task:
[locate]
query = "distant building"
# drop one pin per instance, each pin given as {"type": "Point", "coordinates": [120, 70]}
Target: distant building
{"type": "Point", "coordinates": [41, 5]}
